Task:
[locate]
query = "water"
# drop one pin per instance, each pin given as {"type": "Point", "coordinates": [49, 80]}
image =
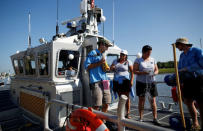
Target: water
{"type": "Point", "coordinates": [7, 82]}
{"type": "Point", "coordinates": [164, 94]}
{"type": "Point", "coordinates": [163, 89]}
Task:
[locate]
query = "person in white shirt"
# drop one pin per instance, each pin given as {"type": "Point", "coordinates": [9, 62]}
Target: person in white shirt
{"type": "Point", "coordinates": [146, 68]}
{"type": "Point", "coordinates": [123, 77]}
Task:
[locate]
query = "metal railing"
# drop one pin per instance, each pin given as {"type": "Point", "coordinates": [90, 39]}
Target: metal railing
{"type": "Point", "coordinates": [119, 119]}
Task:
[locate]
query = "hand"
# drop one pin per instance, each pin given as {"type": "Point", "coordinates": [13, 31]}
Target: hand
{"type": "Point", "coordinates": [131, 83]}
{"type": "Point", "coordinates": [183, 69]}
{"type": "Point", "coordinates": [113, 67]}
{"type": "Point", "coordinates": [145, 73]}
{"type": "Point", "coordinates": [102, 61]}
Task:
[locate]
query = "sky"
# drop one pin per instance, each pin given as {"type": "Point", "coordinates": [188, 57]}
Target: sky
{"type": "Point", "coordinates": [137, 22]}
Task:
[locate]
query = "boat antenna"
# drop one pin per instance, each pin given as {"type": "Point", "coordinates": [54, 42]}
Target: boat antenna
{"type": "Point", "coordinates": [57, 26]}
{"type": "Point", "coordinates": [103, 29]}
{"type": "Point", "coordinates": [29, 30]}
{"type": "Point", "coordinates": [113, 22]}
{"type": "Point", "coordinates": [200, 43]}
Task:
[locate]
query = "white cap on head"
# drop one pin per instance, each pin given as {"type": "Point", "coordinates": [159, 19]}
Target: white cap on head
{"type": "Point", "coordinates": [125, 52]}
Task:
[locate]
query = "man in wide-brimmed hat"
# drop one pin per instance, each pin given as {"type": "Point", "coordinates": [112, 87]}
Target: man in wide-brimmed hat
{"type": "Point", "coordinates": [101, 96]}
{"type": "Point", "coordinates": [191, 76]}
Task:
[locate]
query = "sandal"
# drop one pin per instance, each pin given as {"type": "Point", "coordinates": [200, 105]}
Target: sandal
{"type": "Point", "coordinates": [128, 116]}
{"type": "Point", "coordinates": [156, 122]}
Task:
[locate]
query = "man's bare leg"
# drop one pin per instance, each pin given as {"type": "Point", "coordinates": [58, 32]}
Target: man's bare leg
{"type": "Point", "coordinates": [192, 110]}
{"type": "Point", "coordinates": [95, 107]}
{"type": "Point", "coordinates": [104, 107]}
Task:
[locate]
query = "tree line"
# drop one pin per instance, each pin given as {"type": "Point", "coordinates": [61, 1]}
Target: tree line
{"type": "Point", "coordinates": [169, 64]}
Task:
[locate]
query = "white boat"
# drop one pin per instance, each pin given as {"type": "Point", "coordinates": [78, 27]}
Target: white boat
{"type": "Point", "coordinates": [54, 70]}
{"type": "Point", "coordinates": [43, 72]}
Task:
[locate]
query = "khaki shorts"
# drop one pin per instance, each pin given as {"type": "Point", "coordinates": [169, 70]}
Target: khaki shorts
{"type": "Point", "coordinates": [99, 95]}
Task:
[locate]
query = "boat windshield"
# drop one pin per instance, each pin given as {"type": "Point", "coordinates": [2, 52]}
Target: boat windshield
{"type": "Point", "coordinates": [68, 62]}
{"type": "Point", "coordinates": [43, 64]}
{"type": "Point", "coordinates": [18, 66]}
{"type": "Point", "coordinates": [30, 65]}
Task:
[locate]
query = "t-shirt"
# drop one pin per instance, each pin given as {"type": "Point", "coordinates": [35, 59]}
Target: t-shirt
{"type": "Point", "coordinates": [192, 60]}
{"type": "Point", "coordinates": [147, 66]}
{"type": "Point", "coordinates": [122, 69]}
{"type": "Point", "coordinates": [96, 74]}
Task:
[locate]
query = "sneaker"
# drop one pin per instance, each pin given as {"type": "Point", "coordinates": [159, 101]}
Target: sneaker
{"type": "Point", "coordinates": [156, 122]}
{"type": "Point", "coordinates": [195, 128]}
{"type": "Point", "coordinates": [140, 120]}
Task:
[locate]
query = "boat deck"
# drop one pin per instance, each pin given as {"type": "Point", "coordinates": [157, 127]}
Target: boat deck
{"type": "Point", "coordinates": [163, 116]}
{"type": "Point", "coordinates": [17, 121]}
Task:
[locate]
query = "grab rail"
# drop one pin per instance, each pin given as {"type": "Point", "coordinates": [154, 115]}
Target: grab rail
{"type": "Point", "coordinates": [119, 119]}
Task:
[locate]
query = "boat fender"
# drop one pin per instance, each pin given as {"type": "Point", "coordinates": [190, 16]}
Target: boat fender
{"type": "Point", "coordinates": [174, 94]}
{"type": "Point", "coordinates": [170, 80]}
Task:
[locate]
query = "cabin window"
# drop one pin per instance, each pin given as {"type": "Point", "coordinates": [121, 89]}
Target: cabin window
{"type": "Point", "coordinates": [15, 62]}
{"type": "Point", "coordinates": [68, 61]}
{"type": "Point", "coordinates": [18, 66]}
{"type": "Point", "coordinates": [110, 58]}
{"type": "Point", "coordinates": [43, 63]}
{"type": "Point", "coordinates": [30, 65]}
{"type": "Point", "coordinates": [20, 62]}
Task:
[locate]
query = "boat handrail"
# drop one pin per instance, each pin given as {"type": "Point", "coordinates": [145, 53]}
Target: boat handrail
{"type": "Point", "coordinates": [119, 119]}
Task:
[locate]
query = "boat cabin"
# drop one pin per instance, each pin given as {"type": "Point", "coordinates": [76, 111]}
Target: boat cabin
{"type": "Point", "coordinates": [54, 70]}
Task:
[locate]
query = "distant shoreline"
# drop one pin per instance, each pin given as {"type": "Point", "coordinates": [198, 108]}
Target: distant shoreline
{"type": "Point", "coordinates": [166, 70]}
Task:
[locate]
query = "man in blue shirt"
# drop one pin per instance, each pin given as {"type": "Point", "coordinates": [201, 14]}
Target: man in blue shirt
{"type": "Point", "coordinates": [191, 67]}
{"type": "Point", "coordinates": [100, 95]}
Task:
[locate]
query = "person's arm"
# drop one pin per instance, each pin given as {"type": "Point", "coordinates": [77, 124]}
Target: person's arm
{"type": "Point", "coordinates": [89, 62]}
{"type": "Point", "coordinates": [113, 65]}
{"type": "Point", "coordinates": [131, 74]}
{"type": "Point", "coordinates": [136, 70]}
{"type": "Point", "coordinates": [94, 65]}
{"type": "Point", "coordinates": [112, 68]}
{"type": "Point", "coordinates": [180, 66]}
{"type": "Point", "coordinates": [198, 64]}
{"type": "Point", "coordinates": [156, 70]}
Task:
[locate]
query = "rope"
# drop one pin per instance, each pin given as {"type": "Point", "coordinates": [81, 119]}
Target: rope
{"type": "Point", "coordinates": [68, 116]}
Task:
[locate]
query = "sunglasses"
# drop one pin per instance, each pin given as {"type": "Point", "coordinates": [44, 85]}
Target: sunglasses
{"type": "Point", "coordinates": [178, 43]}
{"type": "Point", "coordinates": [104, 44]}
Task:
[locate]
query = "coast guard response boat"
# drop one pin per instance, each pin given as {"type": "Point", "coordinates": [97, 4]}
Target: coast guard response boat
{"type": "Point", "coordinates": [55, 69]}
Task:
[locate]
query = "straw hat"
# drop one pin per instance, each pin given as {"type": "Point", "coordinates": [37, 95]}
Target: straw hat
{"type": "Point", "coordinates": [183, 41]}
{"type": "Point", "coordinates": [105, 41]}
